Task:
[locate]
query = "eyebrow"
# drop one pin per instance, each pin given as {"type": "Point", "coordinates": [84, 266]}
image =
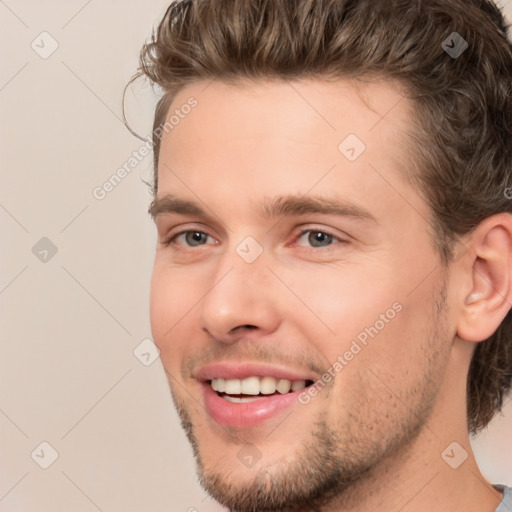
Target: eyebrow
{"type": "Point", "coordinates": [289, 205]}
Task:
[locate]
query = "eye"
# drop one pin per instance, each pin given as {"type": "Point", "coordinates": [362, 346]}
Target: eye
{"type": "Point", "coordinates": [192, 238]}
{"type": "Point", "coordinates": [318, 238]}
{"type": "Point", "coordinates": [315, 239]}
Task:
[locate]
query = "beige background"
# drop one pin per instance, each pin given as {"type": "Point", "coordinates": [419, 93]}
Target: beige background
{"type": "Point", "coordinates": [70, 324]}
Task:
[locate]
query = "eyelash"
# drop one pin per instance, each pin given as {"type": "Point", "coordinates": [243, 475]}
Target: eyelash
{"type": "Point", "coordinates": [172, 240]}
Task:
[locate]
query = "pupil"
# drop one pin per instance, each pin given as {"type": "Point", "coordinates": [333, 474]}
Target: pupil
{"type": "Point", "coordinates": [195, 236]}
{"type": "Point", "coordinates": [319, 237]}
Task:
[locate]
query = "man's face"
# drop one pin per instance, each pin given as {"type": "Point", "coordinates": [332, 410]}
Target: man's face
{"type": "Point", "coordinates": [260, 300]}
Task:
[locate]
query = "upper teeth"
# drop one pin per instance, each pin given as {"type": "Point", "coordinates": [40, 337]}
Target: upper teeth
{"type": "Point", "coordinates": [256, 385]}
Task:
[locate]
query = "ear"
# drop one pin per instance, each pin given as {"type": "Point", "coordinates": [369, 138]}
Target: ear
{"type": "Point", "coordinates": [487, 266]}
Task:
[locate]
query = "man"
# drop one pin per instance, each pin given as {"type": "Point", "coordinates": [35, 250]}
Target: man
{"type": "Point", "coordinates": [333, 275]}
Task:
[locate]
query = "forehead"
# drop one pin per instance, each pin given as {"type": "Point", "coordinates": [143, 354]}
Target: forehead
{"type": "Point", "coordinates": [332, 104]}
{"type": "Point", "coordinates": [310, 111]}
{"type": "Point", "coordinates": [287, 136]}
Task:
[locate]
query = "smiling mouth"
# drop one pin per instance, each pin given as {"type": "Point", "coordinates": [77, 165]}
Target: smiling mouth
{"type": "Point", "coordinates": [255, 388]}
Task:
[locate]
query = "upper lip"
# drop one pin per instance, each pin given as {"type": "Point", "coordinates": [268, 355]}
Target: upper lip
{"type": "Point", "coordinates": [242, 370]}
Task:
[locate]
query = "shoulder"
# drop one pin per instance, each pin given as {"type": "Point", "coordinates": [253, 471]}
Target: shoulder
{"type": "Point", "coordinates": [506, 503]}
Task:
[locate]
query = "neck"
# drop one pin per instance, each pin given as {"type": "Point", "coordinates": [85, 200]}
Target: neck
{"type": "Point", "coordinates": [422, 480]}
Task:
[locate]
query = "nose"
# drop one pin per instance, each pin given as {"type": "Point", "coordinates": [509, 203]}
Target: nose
{"type": "Point", "coordinates": [241, 299]}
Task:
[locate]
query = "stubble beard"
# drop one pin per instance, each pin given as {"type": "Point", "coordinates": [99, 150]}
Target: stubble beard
{"type": "Point", "coordinates": [327, 470]}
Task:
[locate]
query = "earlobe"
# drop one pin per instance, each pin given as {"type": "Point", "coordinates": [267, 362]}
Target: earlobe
{"type": "Point", "coordinates": [489, 270]}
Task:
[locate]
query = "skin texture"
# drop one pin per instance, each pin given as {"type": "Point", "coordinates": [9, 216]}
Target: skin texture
{"type": "Point", "coordinates": [373, 438]}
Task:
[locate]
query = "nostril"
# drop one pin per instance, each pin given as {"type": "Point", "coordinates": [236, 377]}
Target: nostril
{"type": "Point", "coordinates": [242, 327]}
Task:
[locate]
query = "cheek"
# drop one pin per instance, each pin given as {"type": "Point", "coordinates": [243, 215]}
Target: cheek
{"type": "Point", "coordinates": [396, 342]}
{"type": "Point", "coordinates": [171, 298]}
{"type": "Point", "coordinates": [367, 320]}
{"type": "Point", "coordinates": [346, 300]}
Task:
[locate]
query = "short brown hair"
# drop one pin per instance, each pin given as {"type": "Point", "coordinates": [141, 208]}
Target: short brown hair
{"type": "Point", "coordinates": [461, 133]}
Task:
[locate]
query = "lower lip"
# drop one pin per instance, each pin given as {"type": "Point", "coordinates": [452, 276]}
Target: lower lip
{"type": "Point", "coordinates": [249, 414]}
